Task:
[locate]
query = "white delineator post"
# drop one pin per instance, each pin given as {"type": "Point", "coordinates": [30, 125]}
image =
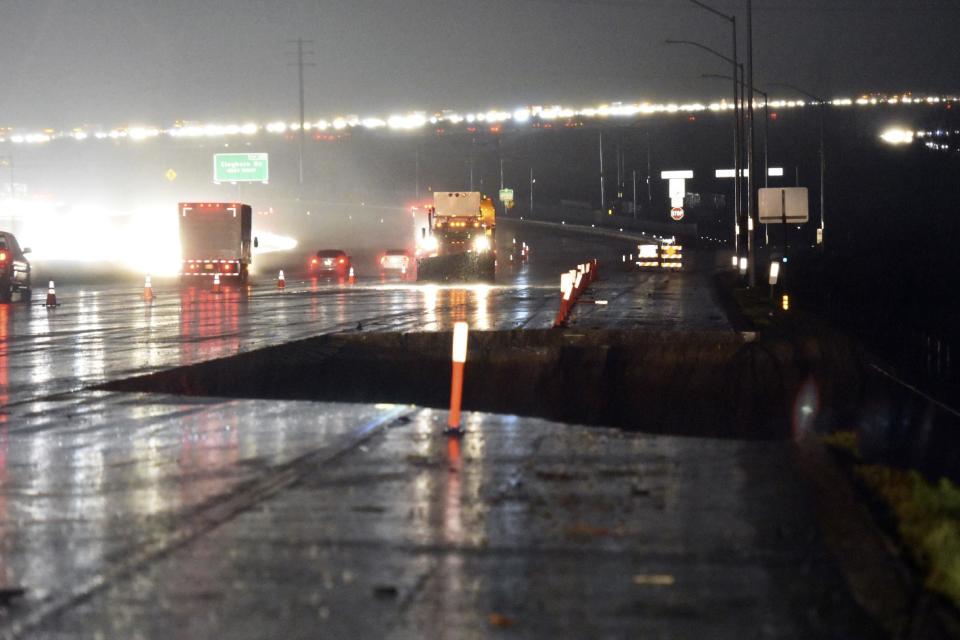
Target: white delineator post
{"type": "Point", "coordinates": [460, 331]}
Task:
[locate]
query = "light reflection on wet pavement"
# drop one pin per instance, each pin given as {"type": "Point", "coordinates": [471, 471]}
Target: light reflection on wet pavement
{"type": "Point", "coordinates": [106, 332]}
{"type": "Point", "coordinates": [127, 515]}
{"type": "Point", "coordinates": [254, 519]}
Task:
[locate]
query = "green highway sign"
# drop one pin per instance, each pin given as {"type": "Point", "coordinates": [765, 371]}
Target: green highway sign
{"type": "Point", "coordinates": [241, 167]}
{"type": "Point", "coordinates": [506, 195]}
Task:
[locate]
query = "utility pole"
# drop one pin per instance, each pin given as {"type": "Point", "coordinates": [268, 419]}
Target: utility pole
{"type": "Point", "coordinates": [300, 64]}
{"type": "Point", "coordinates": [619, 172]}
{"type": "Point", "coordinates": [649, 188]}
{"type": "Point", "coordinates": [634, 194]}
{"type": "Point", "coordinates": [8, 162]}
{"type": "Point", "coordinates": [766, 158]}
{"type": "Point", "coordinates": [418, 174]}
{"type": "Point", "coordinates": [500, 160]}
{"type": "Point", "coordinates": [603, 200]}
{"type": "Point", "coordinates": [751, 174]}
{"type": "Point", "coordinates": [823, 174]}
{"type": "Point", "coordinates": [766, 132]}
{"type": "Point", "coordinates": [473, 150]}
{"type": "Point", "coordinates": [532, 182]}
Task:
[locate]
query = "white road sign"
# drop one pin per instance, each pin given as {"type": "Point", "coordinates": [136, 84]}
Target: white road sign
{"type": "Point", "coordinates": [790, 202]}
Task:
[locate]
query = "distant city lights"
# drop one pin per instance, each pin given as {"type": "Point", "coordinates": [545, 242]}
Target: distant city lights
{"type": "Point", "coordinates": [417, 120]}
{"type": "Point", "coordinates": [940, 139]}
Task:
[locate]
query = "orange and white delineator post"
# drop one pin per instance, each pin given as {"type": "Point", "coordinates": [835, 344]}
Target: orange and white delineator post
{"type": "Point", "coordinates": [52, 296]}
{"type": "Point", "coordinates": [566, 286]}
{"type": "Point", "coordinates": [350, 278]}
{"type": "Point", "coordinates": [281, 281]}
{"type": "Point", "coordinates": [573, 284]}
{"type": "Point", "coordinates": [460, 330]}
{"type": "Point", "coordinates": [216, 283]}
{"type": "Point", "coordinates": [148, 289]}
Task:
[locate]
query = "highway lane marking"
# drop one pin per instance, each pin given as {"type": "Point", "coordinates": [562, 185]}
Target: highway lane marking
{"type": "Point", "coordinates": [218, 511]}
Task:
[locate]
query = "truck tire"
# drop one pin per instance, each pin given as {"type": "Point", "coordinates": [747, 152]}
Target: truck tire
{"type": "Point", "coordinates": [26, 294]}
{"type": "Point", "coordinates": [6, 291]}
{"type": "Point", "coordinates": [244, 275]}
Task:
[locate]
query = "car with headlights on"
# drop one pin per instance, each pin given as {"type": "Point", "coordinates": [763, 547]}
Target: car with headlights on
{"type": "Point", "coordinates": [396, 261]}
{"type": "Point", "coordinates": [14, 269]}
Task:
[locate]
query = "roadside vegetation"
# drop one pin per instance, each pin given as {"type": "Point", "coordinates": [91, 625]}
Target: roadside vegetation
{"type": "Point", "coordinates": [926, 515]}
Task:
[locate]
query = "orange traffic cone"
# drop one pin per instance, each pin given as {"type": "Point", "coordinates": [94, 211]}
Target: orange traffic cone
{"type": "Point", "coordinates": [216, 283]}
{"type": "Point", "coordinates": [281, 281]}
{"type": "Point", "coordinates": [148, 290]}
{"type": "Point", "coordinates": [52, 297]}
{"type": "Point", "coordinates": [350, 277]}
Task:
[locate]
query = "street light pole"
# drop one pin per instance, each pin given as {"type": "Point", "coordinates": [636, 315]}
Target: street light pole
{"type": "Point", "coordinates": [418, 175]}
{"type": "Point", "coordinates": [766, 132]}
{"type": "Point", "coordinates": [751, 174]}
{"type": "Point", "coordinates": [649, 189]}
{"type": "Point", "coordinates": [823, 173]}
{"type": "Point", "coordinates": [603, 201]}
{"type": "Point", "coordinates": [739, 218]}
{"type": "Point", "coordinates": [532, 181]}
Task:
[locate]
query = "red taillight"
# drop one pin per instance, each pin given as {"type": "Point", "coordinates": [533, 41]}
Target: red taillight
{"type": "Point", "coordinates": [226, 267]}
{"type": "Point", "coordinates": [342, 261]}
{"type": "Point", "coordinates": [314, 261]}
{"type": "Point", "coordinates": [3, 256]}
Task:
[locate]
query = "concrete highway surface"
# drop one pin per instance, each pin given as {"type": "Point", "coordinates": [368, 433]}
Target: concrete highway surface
{"type": "Point", "coordinates": [153, 516]}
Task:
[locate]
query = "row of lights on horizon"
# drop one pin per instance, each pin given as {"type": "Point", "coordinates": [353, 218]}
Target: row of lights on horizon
{"type": "Point", "coordinates": [417, 120]}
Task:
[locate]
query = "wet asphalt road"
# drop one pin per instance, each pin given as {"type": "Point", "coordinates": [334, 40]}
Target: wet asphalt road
{"type": "Point", "coordinates": [148, 516]}
{"type": "Point", "coordinates": [105, 332]}
{"type": "Point", "coordinates": [159, 517]}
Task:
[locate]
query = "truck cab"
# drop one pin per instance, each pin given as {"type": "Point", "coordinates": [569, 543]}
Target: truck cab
{"type": "Point", "coordinates": [461, 243]}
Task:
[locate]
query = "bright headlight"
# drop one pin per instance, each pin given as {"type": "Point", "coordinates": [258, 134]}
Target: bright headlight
{"type": "Point", "coordinates": [481, 244]}
{"type": "Point", "coordinates": [430, 244]}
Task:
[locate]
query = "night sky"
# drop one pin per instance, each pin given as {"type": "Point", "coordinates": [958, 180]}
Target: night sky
{"type": "Point", "coordinates": [69, 62]}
